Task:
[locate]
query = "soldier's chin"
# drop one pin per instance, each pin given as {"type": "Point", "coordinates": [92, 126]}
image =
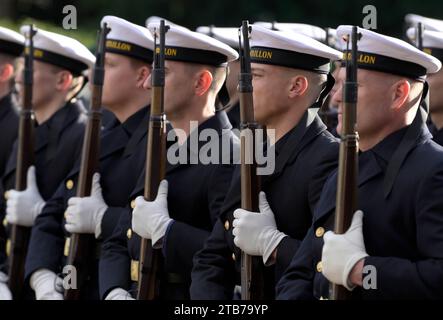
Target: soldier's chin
{"type": "Point", "coordinates": [338, 127]}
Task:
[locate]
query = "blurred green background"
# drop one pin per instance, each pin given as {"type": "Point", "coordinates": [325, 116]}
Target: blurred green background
{"type": "Point", "coordinates": [192, 13]}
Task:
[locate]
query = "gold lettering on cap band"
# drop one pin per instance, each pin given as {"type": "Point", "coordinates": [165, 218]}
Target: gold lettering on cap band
{"type": "Point", "coordinates": [171, 52]}
{"type": "Point", "coordinates": [118, 45]}
{"type": "Point", "coordinates": [37, 53]}
{"type": "Point", "coordinates": [363, 58]}
{"type": "Point", "coordinates": [261, 54]}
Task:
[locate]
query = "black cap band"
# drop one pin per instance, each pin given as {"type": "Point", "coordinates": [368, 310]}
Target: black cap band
{"type": "Point", "coordinates": [436, 52]}
{"type": "Point", "coordinates": [377, 62]}
{"type": "Point", "coordinates": [199, 56]}
{"type": "Point", "coordinates": [129, 49]}
{"type": "Point", "coordinates": [290, 59]}
{"type": "Point", "coordinates": [11, 48]}
{"type": "Point", "coordinates": [75, 66]}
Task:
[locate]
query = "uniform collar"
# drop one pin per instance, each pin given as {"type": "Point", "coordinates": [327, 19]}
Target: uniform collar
{"type": "Point", "coordinates": [132, 123]}
{"type": "Point", "coordinates": [6, 104]}
{"type": "Point", "coordinates": [385, 148]}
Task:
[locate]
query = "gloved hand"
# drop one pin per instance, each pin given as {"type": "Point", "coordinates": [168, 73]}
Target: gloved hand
{"type": "Point", "coordinates": [5, 293]}
{"type": "Point", "coordinates": [22, 207]}
{"type": "Point", "coordinates": [256, 232]}
{"type": "Point", "coordinates": [342, 251]}
{"type": "Point", "coordinates": [119, 294]}
{"type": "Point", "coordinates": [151, 219]}
{"type": "Point", "coordinates": [84, 215]}
{"type": "Point", "coordinates": [45, 283]}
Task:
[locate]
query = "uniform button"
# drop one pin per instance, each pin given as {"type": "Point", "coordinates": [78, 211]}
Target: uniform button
{"type": "Point", "coordinates": [319, 232]}
{"type": "Point", "coordinates": [233, 256]}
{"type": "Point", "coordinates": [69, 184]}
{"type": "Point", "coordinates": [66, 248]}
{"type": "Point", "coordinates": [8, 247]}
{"type": "Point", "coordinates": [319, 267]}
{"type": "Point", "coordinates": [129, 233]}
{"type": "Point", "coordinates": [227, 225]}
{"type": "Point", "coordinates": [5, 222]}
{"type": "Point", "coordinates": [6, 195]}
{"type": "Point", "coordinates": [132, 204]}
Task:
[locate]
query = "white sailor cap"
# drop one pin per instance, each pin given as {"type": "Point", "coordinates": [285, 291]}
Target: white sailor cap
{"type": "Point", "coordinates": [188, 46]}
{"type": "Point", "coordinates": [11, 42]}
{"type": "Point", "coordinates": [128, 39]}
{"type": "Point", "coordinates": [225, 35]}
{"type": "Point", "coordinates": [311, 31]}
{"type": "Point", "coordinates": [290, 49]}
{"type": "Point", "coordinates": [432, 41]}
{"type": "Point", "coordinates": [157, 19]}
{"type": "Point", "coordinates": [391, 55]}
{"type": "Point", "coordinates": [428, 23]}
{"type": "Point", "coordinates": [60, 50]}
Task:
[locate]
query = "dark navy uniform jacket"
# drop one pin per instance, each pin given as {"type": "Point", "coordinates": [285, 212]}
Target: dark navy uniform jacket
{"type": "Point", "coordinates": [305, 157]}
{"type": "Point", "coordinates": [8, 134]}
{"type": "Point", "coordinates": [196, 193]}
{"type": "Point", "coordinates": [58, 143]}
{"type": "Point", "coordinates": [437, 135]}
{"type": "Point", "coordinates": [122, 157]}
{"type": "Point", "coordinates": [9, 129]}
{"type": "Point", "coordinates": [403, 232]}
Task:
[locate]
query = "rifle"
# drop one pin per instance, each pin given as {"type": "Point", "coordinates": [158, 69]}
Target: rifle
{"type": "Point", "coordinates": [252, 281]}
{"type": "Point", "coordinates": [348, 157]}
{"type": "Point", "coordinates": [20, 235]}
{"type": "Point", "coordinates": [150, 258]}
{"type": "Point", "coordinates": [82, 246]}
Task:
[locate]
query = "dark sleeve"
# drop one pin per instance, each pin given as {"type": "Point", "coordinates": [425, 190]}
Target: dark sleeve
{"type": "Point", "coordinates": [115, 262]}
{"type": "Point", "coordinates": [180, 246]}
{"type": "Point", "coordinates": [3, 237]}
{"type": "Point", "coordinates": [47, 238]}
{"type": "Point", "coordinates": [297, 282]}
{"type": "Point", "coordinates": [213, 275]}
{"type": "Point", "coordinates": [110, 220]}
{"type": "Point", "coordinates": [321, 171]}
{"type": "Point", "coordinates": [423, 278]}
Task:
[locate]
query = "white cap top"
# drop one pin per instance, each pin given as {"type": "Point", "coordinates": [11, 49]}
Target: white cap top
{"type": "Point", "coordinates": [128, 39]}
{"type": "Point", "coordinates": [390, 55]}
{"type": "Point", "coordinates": [60, 50]}
{"type": "Point", "coordinates": [428, 23]}
{"type": "Point", "coordinates": [432, 41]}
{"type": "Point", "coordinates": [157, 19]}
{"type": "Point", "coordinates": [290, 49]}
{"type": "Point", "coordinates": [225, 35]}
{"type": "Point", "coordinates": [311, 31]}
{"type": "Point", "coordinates": [188, 46]}
{"type": "Point", "coordinates": [11, 42]}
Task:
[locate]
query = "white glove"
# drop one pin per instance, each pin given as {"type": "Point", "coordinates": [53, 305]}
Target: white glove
{"type": "Point", "coordinates": [256, 233]}
{"type": "Point", "coordinates": [84, 215]}
{"type": "Point", "coordinates": [119, 294]}
{"type": "Point", "coordinates": [151, 219]}
{"type": "Point", "coordinates": [5, 293]}
{"type": "Point", "coordinates": [342, 251]}
{"type": "Point", "coordinates": [45, 283]}
{"type": "Point", "coordinates": [22, 207]}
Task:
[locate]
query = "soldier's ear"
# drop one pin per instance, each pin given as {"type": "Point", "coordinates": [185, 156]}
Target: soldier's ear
{"type": "Point", "coordinates": [64, 80]}
{"type": "Point", "coordinates": [143, 74]}
{"type": "Point", "coordinates": [203, 82]}
{"type": "Point", "coordinates": [400, 93]}
{"type": "Point", "coordinates": [298, 85]}
{"type": "Point", "coordinates": [6, 72]}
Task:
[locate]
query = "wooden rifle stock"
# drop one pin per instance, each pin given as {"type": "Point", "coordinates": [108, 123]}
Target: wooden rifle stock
{"type": "Point", "coordinates": [346, 201]}
{"type": "Point", "coordinates": [20, 235]}
{"type": "Point", "coordinates": [82, 246]}
{"type": "Point", "coordinates": [252, 279]}
{"type": "Point", "coordinates": [150, 258]}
